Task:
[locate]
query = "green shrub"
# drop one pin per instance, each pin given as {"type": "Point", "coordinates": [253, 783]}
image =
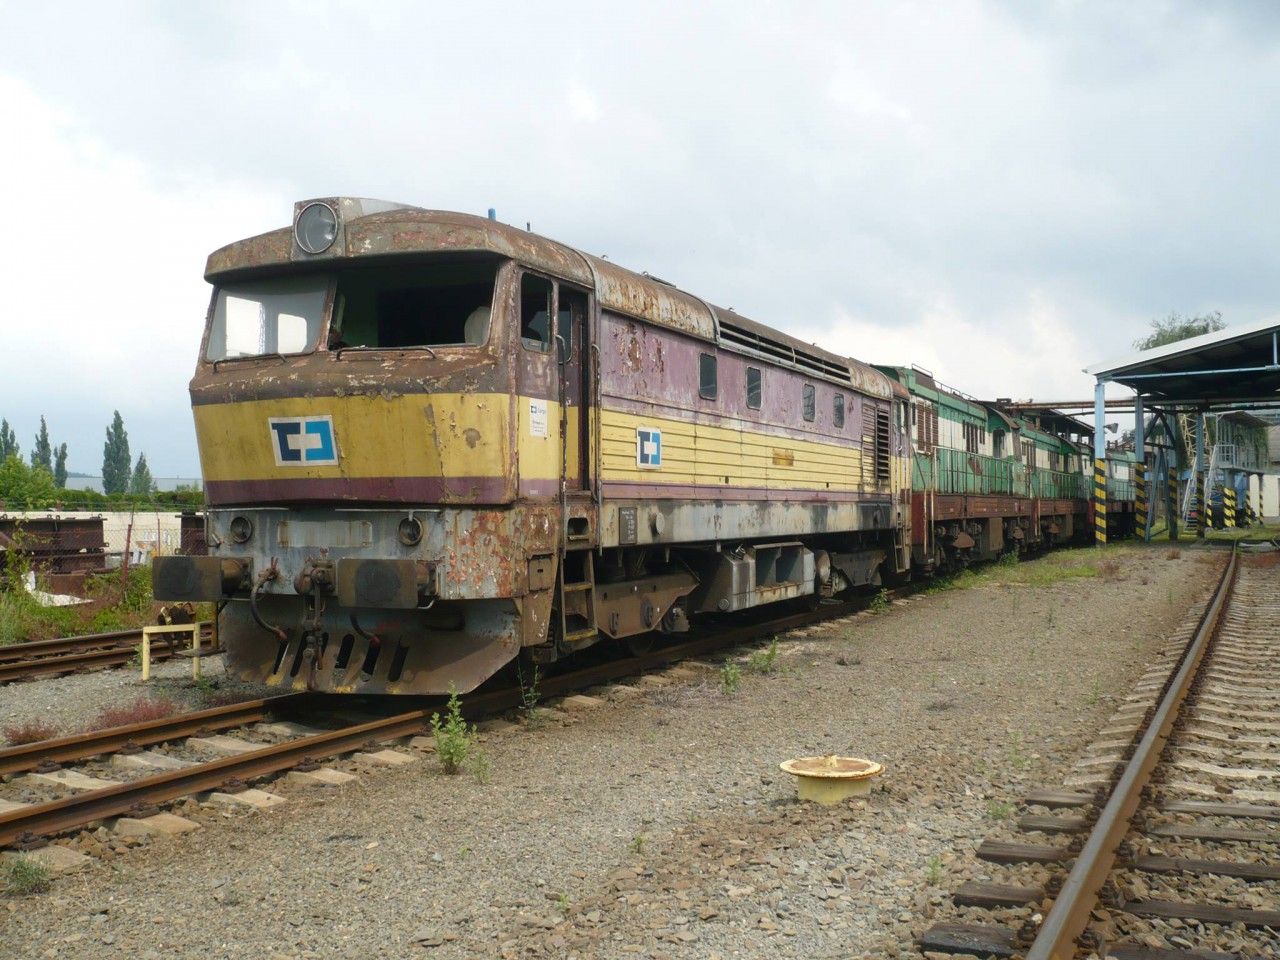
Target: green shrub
{"type": "Point", "coordinates": [764, 661]}
{"type": "Point", "coordinates": [730, 677]}
{"type": "Point", "coordinates": [453, 734]}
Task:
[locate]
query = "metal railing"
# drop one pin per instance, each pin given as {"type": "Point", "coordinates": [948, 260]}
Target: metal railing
{"type": "Point", "coordinates": [957, 472]}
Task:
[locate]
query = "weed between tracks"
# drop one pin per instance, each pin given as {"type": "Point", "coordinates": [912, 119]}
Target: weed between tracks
{"type": "Point", "coordinates": [139, 711]}
{"type": "Point", "coordinates": [453, 735]}
{"type": "Point", "coordinates": [30, 732]}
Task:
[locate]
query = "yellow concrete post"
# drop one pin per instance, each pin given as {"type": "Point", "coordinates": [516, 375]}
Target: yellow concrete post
{"type": "Point", "coordinates": [1173, 502]}
{"type": "Point", "coordinates": [1100, 501]}
{"type": "Point", "coordinates": [195, 652]}
{"type": "Point", "coordinates": [1229, 506]}
{"type": "Point", "coordinates": [146, 653]}
{"type": "Point", "coordinates": [1198, 518]}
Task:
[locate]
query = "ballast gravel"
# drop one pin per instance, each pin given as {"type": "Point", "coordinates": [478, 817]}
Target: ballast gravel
{"type": "Point", "coordinates": [656, 823]}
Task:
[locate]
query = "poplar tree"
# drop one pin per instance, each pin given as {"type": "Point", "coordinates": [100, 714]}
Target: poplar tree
{"type": "Point", "coordinates": [60, 467]}
{"type": "Point", "coordinates": [42, 452]}
{"type": "Point", "coordinates": [8, 441]}
{"type": "Point", "coordinates": [115, 458]}
{"type": "Point", "coordinates": [141, 483]}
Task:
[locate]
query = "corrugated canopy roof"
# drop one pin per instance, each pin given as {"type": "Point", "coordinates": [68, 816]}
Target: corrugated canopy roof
{"type": "Point", "coordinates": [1233, 365]}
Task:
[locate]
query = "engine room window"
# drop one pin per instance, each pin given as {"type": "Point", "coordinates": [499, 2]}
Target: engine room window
{"type": "Point", "coordinates": [753, 388]}
{"type": "Point", "coordinates": [266, 317]}
{"type": "Point", "coordinates": [535, 313]}
{"type": "Point", "coordinates": [810, 402]}
{"type": "Point", "coordinates": [837, 411]}
{"type": "Point", "coordinates": [707, 376]}
{"type": "Point", "coordinates": [415, 305]}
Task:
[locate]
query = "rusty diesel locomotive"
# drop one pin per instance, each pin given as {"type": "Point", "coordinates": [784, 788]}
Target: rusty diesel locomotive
{"type": "Point", "coordinates": [432, 442]}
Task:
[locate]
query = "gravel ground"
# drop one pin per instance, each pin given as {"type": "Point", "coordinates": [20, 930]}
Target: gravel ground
{"type": "Point", "coordinates": [74, 702]}
{"type": "Point", "coordinates": [659, 825]}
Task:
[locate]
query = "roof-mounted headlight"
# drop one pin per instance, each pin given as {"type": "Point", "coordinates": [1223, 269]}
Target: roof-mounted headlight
{"type": "Point", "coordinates": [316, 227]}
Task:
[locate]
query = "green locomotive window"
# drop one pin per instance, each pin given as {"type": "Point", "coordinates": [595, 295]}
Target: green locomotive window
{"type": "Point", "coordinates": [707, 385]}
{"type": "Point", "coordinates": [415, 305]}
{"type": "Point", "coordinates": [810, 402]}
{"type": "Point", "coordinates": [267, 317]}
{"type": "Point", "coordinates": [753, 388]}
{"type": "Point", "coordinates": [535, 313]}
{"type": "Point", "coordinates": [837, 411]}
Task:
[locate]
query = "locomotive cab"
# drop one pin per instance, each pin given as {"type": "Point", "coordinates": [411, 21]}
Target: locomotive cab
{"type": "Point", "coordinates": [367, 426]}
{"type": "Point", "coordinates": [431, 441]}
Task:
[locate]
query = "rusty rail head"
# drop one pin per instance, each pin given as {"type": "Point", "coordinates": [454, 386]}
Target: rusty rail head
{"type": "Point", "coordinates": [59, 816]}
{"type": "Point", "coordinates": [1069, 915]}
{"type": "Point", "coordinates": [80, 746]}
{"type": "Point", "coordinates": [42, 648]}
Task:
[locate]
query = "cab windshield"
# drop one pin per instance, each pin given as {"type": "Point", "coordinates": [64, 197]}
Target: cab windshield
{"type": "Point", "coordinates": [418, 305]}
{"type": "Point", "coordinates": [266, 317]}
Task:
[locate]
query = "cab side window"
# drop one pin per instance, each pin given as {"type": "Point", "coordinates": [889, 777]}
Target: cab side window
{"type": "Point", "coordinates": [810, 405]}
{"type": "Point", "coordinates": [535, 313]}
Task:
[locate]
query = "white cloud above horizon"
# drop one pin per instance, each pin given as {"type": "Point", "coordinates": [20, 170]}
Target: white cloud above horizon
{"type": "Point", "coordinates": [997, 193]}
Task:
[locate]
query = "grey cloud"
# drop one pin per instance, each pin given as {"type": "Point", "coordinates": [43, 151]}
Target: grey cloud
{"type": "Point", "coordinates": [802, 163]}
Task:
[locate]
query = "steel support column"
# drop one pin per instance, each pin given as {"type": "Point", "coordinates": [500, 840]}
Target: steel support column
{"type": "Point", "coordinates": [1140, 492]}
{"type": "Point", "coordinates": [1198, 478]}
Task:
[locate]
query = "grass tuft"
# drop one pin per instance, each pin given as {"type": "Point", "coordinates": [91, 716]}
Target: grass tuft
{"type": "Point", "coordinates": [764, 661]}
{"type": "Point", "coordinates": [24, 876]}
{"type": "Point", "coordinates": [999, 809]}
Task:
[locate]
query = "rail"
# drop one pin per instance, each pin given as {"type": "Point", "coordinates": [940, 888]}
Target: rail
{"type": "Point", "coordinates": [1071, 910]}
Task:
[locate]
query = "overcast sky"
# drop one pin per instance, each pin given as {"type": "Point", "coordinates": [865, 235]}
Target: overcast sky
{"type": "Point", "coordinates": [999, 196]}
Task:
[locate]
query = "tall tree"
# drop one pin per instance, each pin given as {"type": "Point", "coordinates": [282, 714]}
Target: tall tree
{"type": "Point", "coordinates": [60, 467]}
{"type": "Point", "coordinates": [8, 441]}
{"type": "Point", "coordinates": [42, 452]}
{"type": "Point", "coordinates": [141, 483]}
{"type": "Point", "coordinates": [115, 457]}
{"type": "Point", "coordinates": [1176, 327]}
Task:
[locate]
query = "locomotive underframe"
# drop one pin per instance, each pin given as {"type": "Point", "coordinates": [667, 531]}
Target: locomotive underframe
{"type": "Point", "coordinates": [952, 530]}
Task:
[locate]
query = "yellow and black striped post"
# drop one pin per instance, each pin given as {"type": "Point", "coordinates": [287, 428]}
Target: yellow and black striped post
{"type": "Point", "coordinates": [1100, 501]}
{"type": "Point", "coordinates": [1140, 507]}
{"type": "Point", "coordinates": [1198, 517]}
{"type": "Point", "coordinates": [1172, 511]}
{"type": "Point", "coordinates": [1229, 506]}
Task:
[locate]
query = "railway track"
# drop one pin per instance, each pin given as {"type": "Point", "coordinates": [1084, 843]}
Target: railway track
{"type": "Point", "coordinates": [1172, 815]}
{"type": "Point", "coordinates": [95, 651]}
{"type": "Point", "coordinates": [135, 786]}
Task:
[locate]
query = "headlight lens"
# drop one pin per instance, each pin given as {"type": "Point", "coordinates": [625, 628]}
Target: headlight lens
{"type": "Point", "coordinates": [410, 531]}
{"type": "Point", "coordinates": [241, 529]}
{"type": "Point", "coordinates": [317, 227]}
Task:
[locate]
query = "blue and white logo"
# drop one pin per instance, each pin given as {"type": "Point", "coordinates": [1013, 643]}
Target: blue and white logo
{"type": "Point", "coordinates": [303, 441]}
{"type": "Point", "coordinates": [649, 448]}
